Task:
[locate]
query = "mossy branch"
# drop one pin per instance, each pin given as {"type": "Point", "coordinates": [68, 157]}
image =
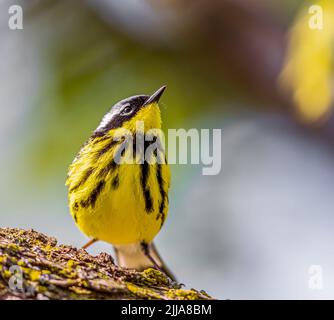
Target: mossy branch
{"type": "Point", "coordinates": [33, 266]}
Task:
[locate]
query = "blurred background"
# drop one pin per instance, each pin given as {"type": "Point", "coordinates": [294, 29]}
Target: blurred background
{"type": "Point", "coordinates": [253, 68]}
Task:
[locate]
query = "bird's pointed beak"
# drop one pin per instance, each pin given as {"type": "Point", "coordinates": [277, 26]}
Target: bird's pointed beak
{"type": "Point", "coordinates": [154, 98]}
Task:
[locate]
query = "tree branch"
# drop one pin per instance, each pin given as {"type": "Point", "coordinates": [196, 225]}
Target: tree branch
{"type": "Point", "coordinates": [33, 266]}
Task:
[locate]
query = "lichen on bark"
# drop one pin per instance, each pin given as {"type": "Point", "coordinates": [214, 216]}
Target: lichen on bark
{"type": "Point", "coordinates": [33, 266]}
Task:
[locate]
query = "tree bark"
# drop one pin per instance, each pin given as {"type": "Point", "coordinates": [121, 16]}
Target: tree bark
{"type": "Point", "coordinates": [33, 266]}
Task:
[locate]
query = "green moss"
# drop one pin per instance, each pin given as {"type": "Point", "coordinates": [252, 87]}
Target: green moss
{"type": "Point", "coordinates": [46, 272]}
{"type": "Point", "coordinates": [41, 288]}
{"type": "Point", "coordinates": [71, 263]}
{"type": "Point", "coordinates": [142, 292]}
{"type": "Point", "coordinates": [13, 246]}
{"type": "Point", "coordinates": [79, 290]}
{"type": "Point", "coordinates": [34, 275]}
{"type": "Point", "coordinates": [85, 283]}
{"type": "Point", "coordinates": [154, 277]}
{"type": "Point", "coordinates": [66, 274]}
{"type": "Point", "coordinates": [181, 294]}
{"type": "Point", "coordinates": [6, 274]}
{"type": "Point", "coordinates": [50, 247]}
{"type": "Point", "coordinates": [21, 263]}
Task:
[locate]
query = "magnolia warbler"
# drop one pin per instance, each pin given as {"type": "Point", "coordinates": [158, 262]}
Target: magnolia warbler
{"type": "Point", "coordinates": [124, 204]}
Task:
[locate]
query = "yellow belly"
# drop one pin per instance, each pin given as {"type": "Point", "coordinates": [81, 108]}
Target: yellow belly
{"type": "Point", "coordinates": [119, 215]}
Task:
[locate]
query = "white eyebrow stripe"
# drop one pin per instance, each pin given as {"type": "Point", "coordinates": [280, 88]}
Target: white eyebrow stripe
{"type": "Point", "coordinates": [106, 119]}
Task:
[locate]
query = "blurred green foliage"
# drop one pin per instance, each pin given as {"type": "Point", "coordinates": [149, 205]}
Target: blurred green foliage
{"type": "Point", "coordinates": [90, 67]}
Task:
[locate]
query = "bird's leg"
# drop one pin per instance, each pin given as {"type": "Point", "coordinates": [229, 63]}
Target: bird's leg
{"type": "Point", "coordinates": [146, 250]}
{"type": "Point", "coordinates": [89, 243]}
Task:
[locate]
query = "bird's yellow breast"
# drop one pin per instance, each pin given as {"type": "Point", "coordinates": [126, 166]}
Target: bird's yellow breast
{"type": "Point", "coordinates": [117, 203]}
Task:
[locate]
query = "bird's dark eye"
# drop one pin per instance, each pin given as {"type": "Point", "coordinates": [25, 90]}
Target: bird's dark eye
{"type": "Point", "coordinates": [126, 110]}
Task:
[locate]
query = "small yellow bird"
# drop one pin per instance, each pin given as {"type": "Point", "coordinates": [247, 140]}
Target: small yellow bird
{"type": "Point", "coordinates": [124, 204]}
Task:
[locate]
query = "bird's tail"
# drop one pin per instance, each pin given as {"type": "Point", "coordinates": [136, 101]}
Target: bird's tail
{"type": "Point", "coordinates": [141, 256]}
